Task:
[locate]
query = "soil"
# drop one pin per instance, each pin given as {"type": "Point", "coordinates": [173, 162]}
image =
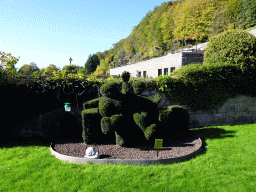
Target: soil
{"type": "Point", "coordinates": [181, 144]}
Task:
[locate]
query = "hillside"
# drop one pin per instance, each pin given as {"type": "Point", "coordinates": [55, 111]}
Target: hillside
{"type": "Point", "coordinates": [173, 21]}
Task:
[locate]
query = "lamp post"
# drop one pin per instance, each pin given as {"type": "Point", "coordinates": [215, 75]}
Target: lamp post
{"type": "Point", "coordinates": [70, 60]}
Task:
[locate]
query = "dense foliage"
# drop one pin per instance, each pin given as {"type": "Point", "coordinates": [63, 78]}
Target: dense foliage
{"type": "Point", "coordinates": [234, 46]}
{"type": "Point", "coordinates": [92, 63]}
{"type": "Point", "coordinates": [157, 31]}
{"type": "Point", "coordinates": [128, 119]}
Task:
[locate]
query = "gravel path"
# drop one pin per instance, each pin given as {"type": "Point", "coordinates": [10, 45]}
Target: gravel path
{"type": "Point", "coordinates": [181, 144]}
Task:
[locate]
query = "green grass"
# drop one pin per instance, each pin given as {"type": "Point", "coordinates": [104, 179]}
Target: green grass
{"type": "Point", "coordinates": [228, 164]}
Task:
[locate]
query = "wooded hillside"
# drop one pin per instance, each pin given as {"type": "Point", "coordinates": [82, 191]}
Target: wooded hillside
{"type": "Point", "coordinates": [173, 21]}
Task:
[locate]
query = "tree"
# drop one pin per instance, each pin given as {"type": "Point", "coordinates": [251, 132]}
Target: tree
{"type": "Point", "coordinates": [82, 71]}
{"type": "Point", "coordinates": [71, 68]}
{"type": "Point", "coordinates": [247, 14]}
{"type": "Point", "coordinates": [8, 62]}
{"type": "Point", "coordinates": [103, 68]}
{"type": "Point", "coordinates": [219, 22]}
{"type": "Point", "coordinates": [193, 18]}
{"type": "Point", "coordinates": [28, 69]}
{"type": "Point", "coordinates": [50, 68]}
{"type": "Point", "coordinates": [92, 63]}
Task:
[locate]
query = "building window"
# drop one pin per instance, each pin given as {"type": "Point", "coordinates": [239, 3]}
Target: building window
{"type": "Point", "coordinates": [159, 72]}
{"type": "Point", "coordinates": [144, 74]}
{"type": "Point", "coordinates": [139, 74]}
{"type": "Point", "coordinates": [165, 71]}
{"type": "Point", "coordinates": [172, 69]}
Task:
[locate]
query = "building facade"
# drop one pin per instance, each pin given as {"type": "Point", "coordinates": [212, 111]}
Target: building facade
{"type": "Point", "coordinates": [159, 66]}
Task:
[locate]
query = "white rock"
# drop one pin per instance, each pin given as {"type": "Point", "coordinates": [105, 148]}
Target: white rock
{"type": "Point", "coordinates": [91, 153]}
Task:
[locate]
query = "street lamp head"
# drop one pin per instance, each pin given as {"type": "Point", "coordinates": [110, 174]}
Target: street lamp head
{"type": "Point", "coordinates": [70, 60]}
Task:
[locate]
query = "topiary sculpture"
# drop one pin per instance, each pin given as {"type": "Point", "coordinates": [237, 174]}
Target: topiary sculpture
{"type": "Point", "coordinates": [121, 116]}
{"type": "Point", "coordinates": [235, 46]}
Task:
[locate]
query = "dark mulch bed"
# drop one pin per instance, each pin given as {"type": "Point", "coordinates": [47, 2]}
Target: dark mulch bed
{"type": "Point", "coordinates": [181, 144]}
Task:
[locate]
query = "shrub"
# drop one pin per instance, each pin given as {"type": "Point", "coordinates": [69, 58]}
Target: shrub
{"type": "Point", "coordinates": [140, 119]}
{"type": "Point", "coordinates": [91, 104]}
{"type": "Point", "coordinates": [50, 123]}
{"type": "Point", "coordinates": [110, 89]}
{"type": "Point", "coordinates": [109, 107]}
{"type": "Point", "coordinates": [157, 98]}
{"type": "Point", "coordinates": [125, 76]}
{"type": "Point", "coordinates": [179, 117]}
{"type": "Point", "coordinates": [138, 87]}
{"type": "Point", "coordinates": [127, 88]}
{"type": "Point", "coordinates": [236, 46]}
{"type": "Point", "coordinates": [205, 86]}
{"type": "Point", "coordinates": [149, 132]}
{"type": "Point", "coordinates": [174, 119]}
{"type": "Point", "coordinates": [105, 124]}
{"type": "Point", "coordinates": [91, 125]}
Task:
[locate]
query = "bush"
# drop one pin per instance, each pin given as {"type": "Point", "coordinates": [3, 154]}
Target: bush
{"type": "Point", "coordinates": [205, 86]}
{"type": "Point", "coordinates": [157, 98]}
{"type": "Point", "coordinates": [180, 117]}
{"type": "Point", "coordinates": [138, 87]}
{"type": "Point", "coordinates": [110, 89]}
{"type": "Point", "coordinates": [236, 46]}
{"type": "Point", "coordinates": [91, 104]}
{"type": "Point", "coordinates": [125, 76]}
{"type": "Point", "coordinates": [174, 119]}
{"type": "Point", "coordinates": [50, 123]}
{"type": "Point", "coordinates": [140, 119]}
{"type": "Point", "coordinates": [127, 88]}
{"type": "Point", "coordinates": [109, 107]}
{"type": "Point", "coordinates": [91, 125]}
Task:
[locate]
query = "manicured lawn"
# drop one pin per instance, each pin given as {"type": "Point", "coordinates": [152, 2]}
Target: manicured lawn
{"type": "Point", "coordinates": [228, 164]}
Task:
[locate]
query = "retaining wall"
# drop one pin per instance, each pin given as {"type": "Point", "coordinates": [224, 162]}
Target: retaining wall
{"type": "Point", "coordinates": [238, 110]}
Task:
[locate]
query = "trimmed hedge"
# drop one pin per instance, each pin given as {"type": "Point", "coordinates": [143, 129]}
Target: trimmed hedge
{"type": "Point", "coordinates": [174, 119]}
{"type": "Point", "coordinates": [110, 89]}
{"type": "Point", "coordinates": [207, 86]}
{"type": "Point", "coordinates": [138, 87]}
{"type": "Point", "coordinates": [50, 123]}
{"type": "Point", "coordinates": [109, 107]}
{"type": "Point", "coordinates": [235, 46]}
{"type": "Point", "coordinates": [91, 104]}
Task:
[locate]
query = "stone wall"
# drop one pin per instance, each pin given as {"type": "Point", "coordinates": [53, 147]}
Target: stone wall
{"type": "Point", "coordinates": [238, 110]}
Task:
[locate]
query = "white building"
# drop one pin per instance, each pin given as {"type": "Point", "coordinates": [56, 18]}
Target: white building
{"type": "Point", "coordinates": [160, 66]}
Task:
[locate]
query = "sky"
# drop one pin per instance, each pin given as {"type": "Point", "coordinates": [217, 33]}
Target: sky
{"type": "Point", "coordinates": [51, 31]}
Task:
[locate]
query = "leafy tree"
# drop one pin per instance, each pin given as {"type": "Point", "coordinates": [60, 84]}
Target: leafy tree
{"type": "Point", "coordinates": [50, 68]}
{"type": "Point", "coordinates": [28, 69]}
{"type": "Point", "coordinates": [71, 68]}
{"type": "Point", "coordinates": [232, 12]}
{"type": "Point", "coordinates": [8, 63]}
{"type": "Point", "coordinates": [193, 18]}
{"type": "Point", "coordinates": [92, 63]}
{"type": "Point", "coordinates": [103, 68]}
{"type": "Point", "coordinates": [219, 22]}
{"type": "Point", "coordinates": [82, 71]}
{"type": "Point", "coordinates": [247, 14]}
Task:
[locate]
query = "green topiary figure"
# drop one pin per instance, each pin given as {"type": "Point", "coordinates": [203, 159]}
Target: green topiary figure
{"type": "Point", "coordinates": [121, 116]}
{"type": "Point", "coordinates": [174, 119]}
{"type": "Point", "coordinates": [235, 46]}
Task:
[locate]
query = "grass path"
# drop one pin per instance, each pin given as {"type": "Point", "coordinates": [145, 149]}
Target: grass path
{"type": "Point", "coordinates": [226, 163]}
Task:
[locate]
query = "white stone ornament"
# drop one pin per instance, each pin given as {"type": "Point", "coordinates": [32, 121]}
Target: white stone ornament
{"type": "Point", "coordinates": [91, 153]}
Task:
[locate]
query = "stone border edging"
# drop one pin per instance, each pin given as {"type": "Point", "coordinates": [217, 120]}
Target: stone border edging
{"type": "Point", "coordinates": [79, 160]}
